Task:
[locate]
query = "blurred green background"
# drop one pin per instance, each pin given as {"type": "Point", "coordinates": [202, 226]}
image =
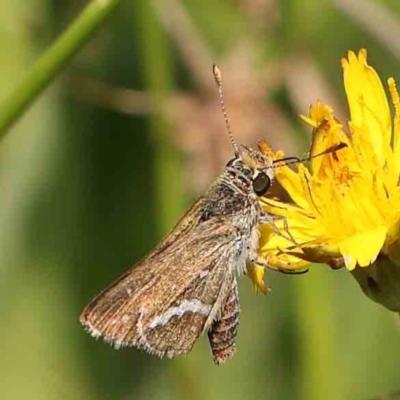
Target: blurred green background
{"type": "Point", "coordinates": [111, 154]}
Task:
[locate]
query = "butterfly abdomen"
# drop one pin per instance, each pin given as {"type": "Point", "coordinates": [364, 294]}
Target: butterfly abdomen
{"type": "Point", "coordinates": [223, 331]}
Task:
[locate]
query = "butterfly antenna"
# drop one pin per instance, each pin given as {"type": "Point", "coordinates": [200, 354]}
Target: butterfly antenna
{"type": "Point", "coordinates": [295, 160]}
{"type": "Point", "coordinates": [218, 80]}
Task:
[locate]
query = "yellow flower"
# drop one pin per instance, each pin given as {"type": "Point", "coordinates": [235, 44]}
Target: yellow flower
{"type": "Point", "coordinates": [345, 208]}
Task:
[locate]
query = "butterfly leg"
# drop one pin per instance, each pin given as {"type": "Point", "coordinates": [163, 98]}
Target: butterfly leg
{"type": "Point", "coordinates": [254, 258]}
{"type": "Point", "coordinates": [266, 218]}
{"type": "Point", "coordinates": [262, 262]}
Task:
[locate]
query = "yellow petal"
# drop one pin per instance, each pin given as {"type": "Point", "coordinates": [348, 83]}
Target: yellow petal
{"type": "Point", "coordinates": [256, 274]}
{"type": "Point", "coordinates": [396, 129]}
{"type": "Point", "coordinates": [292, 182]}
{"type": "Point", "coordinates": [328, 134]}
{"type": "Point", "coordinates": [368, 104]}
{"type": "Point", "coordinates": [362, 248]}
{"type": "Point", "coordinates": [318, 113]}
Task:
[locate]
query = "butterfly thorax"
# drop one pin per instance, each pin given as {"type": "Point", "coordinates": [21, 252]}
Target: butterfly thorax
{"type": "Point", "coordinates": [230, 195]}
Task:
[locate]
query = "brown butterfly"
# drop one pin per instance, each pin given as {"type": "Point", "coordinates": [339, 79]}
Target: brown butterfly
{"type": "Point", "coordinates": [187, 285]}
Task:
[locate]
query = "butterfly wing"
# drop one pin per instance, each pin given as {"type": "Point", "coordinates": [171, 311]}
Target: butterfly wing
{"type": "Point", "coordinates": [166, 302]}
{"type": "Point", "coordinates": [141, 275]}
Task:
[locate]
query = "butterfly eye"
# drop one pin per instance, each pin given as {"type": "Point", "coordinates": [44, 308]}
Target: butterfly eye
{"type": "Point", "coordinates": [261, 183]}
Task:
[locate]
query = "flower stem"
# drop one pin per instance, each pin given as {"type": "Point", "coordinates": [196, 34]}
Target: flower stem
{"type": "Point", "coordinates": [52, 61]}
{"type": "Point", "coordinates": [317, 340]}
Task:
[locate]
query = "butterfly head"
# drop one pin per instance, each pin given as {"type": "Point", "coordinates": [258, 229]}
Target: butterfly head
{"type": "Point", "coordinates": [248, 163]}
{"type": "Point", "coordinates": [255, 166]}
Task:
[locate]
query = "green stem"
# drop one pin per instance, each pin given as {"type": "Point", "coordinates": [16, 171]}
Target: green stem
{"type": "Point", "coordinates": [317, 338]}
{"type": "Point", "coordinates": [57, 56]}
{"type": "Point", "coordinates": [157, 65]}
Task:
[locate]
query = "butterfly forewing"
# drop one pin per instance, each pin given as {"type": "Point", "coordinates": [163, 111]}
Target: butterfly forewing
{"type": "Point", "coordinates": [170, 298]}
